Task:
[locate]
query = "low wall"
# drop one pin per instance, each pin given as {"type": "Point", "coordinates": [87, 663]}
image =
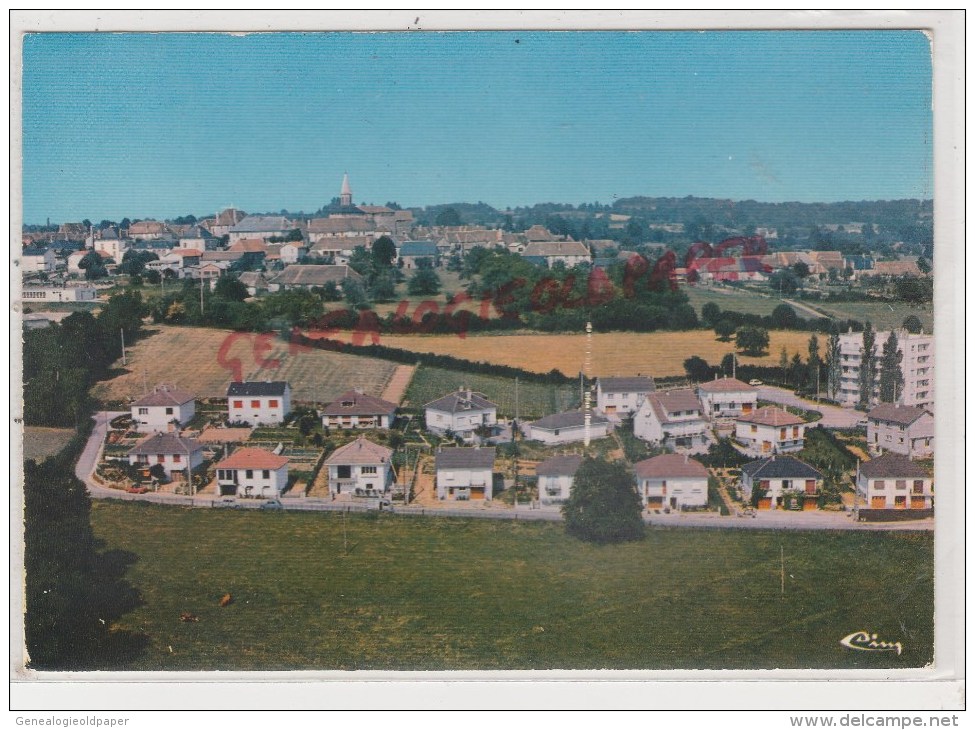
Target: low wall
{"type": "Point", "coordinates": [894, 515]}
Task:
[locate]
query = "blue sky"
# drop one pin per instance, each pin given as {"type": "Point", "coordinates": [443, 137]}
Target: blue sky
{"type": "Point", "coordinates": [160, 125]}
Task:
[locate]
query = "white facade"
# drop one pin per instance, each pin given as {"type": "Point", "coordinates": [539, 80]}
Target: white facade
{"type": "Point", "coordinates": [893, 491]}
{"type": "Point", "coordinates": [673, 422]}
{"type": "Point", "coordinates": [263, 483]}
{"type": "Point", "coordinates": [113, 247]}
{"type": "Point", "coordinates": [364, 480]}
{"type": "Point", "coordinates": [673, 492]}
{"type": "Point", "coordinates": [465, 483]}
{"type": "Point", "coordinates": [768, 439]}
{"type": "Point", "coordinates": [558, 430]}
{"type": "Point", "coordinates": [727, 398]}
{"type": "Point", "coordinates": [292, 253]}
{"type": "Point", "coordinates": [917, 367]}
{"type": "Point", "coordinates": [461, 412]}
{"type": "Point", "coordinates": [622, 396]}
{"type": "Point", "coordinates": [171, 461]}
{"type": "Point", "coordinates": [59, 294]}
{"type": "Point", "coordinates": [150, 418]}
{"type": "Point", "coordinates": [259, 410]}
{"type": "Point", "coordinates": [914, 440]}
{"type": "Point", "coordinates": [39, 262]}
{"type": "Point", "coordinates": [554, 489]}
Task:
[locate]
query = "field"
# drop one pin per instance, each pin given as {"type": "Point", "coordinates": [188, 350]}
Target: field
{"type": "Point", "coordinates": [729, 298]}
{"type": "Point", "coordinates": [534, 399]}
{"type": "Point", "coordinates": [882, 316]}
{"type": "Point", "coordinates": [192, 359]}
{"type": "Point", "coordinates": [429, 594]}
{"type": "Point", "coordinates": [617, 353]}
{"type": "Point", "coordinates": [40, 443]}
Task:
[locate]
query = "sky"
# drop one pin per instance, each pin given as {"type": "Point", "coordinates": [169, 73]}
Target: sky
{"type": "Point", "coordinates": [159, 125]}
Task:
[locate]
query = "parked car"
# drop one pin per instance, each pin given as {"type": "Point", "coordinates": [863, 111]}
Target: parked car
{"type": "Point", "coordinates": [272, 504]}
{"type": "Point", "coordinates": [755, 382]}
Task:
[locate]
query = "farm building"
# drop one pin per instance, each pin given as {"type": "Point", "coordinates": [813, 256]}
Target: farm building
{"type": "Point", "coordinates": [465, 474]}
{"type": "Point", "coordinates": [304, 276]}
{"type": "Point", "coordinates": [262, 403]}
{"type": "Point", "coordinates": [461, 413]}
{"type": "Point", "coordinates": [251, 472]}
{"type": "Point", "coordinates": [770, 430]}
{"type": "Point", "coordinates": [355, 409]}
{"type": "Point", "coordinates": [570, 253]}
{"type": "Point", "coordinates": [555, 477]}
{"type": "Point", "coordinates": [901, 430]}
{"type": "Point", "coordinates": [361, 468]}
{"type": "Point", "coordinates": [622, 396]}
{"type": "Point", "coordinates": [673, 481]}
{"type": "Point", "coordinates": [672, 419]}
{"type": "Point", "coordinates": [568, 427]}
{"type": "Point", "coordinates": [260, 226]}
{"type": "Point", "coordinates": [727, 397]}
{"type": "Point", "coordinates": [171, 451]}
{"type": "Point", "coordinates": [164, 409]}
{"type": "Point", "coordinates": [893, 482]}
{"type": "Point", "coordinates": [411, 253]}
{"type": "Point", "coordinates": [781, 481]}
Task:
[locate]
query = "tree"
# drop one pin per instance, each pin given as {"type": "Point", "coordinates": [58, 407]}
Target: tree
{"type": "Point", "coordinates": [814, 361]}
{"type": "Point", "coordinates": [868, 367]}
{"type": "Point", "coordinates": [891, 377]}
{"type": "Point", "coordinates": [710, 314]}
{"type": "Point", "coordinates": [784, 281]}
{"type": "Point", "coordinates": [834, 366]}
{"type": "Point", "coordinates": [784, 317]}
{"type": "Point", "coordinates": [784, 362]}
{"type": "Point", "coordinates": [383, 288]}
{"type": "Point", "coordinates": [912, 323]}
{"type": "Point", "coordinates": [923, 265]}
{"type": "Point", "coordinates": [355, 295]}
{"type": "Point", "coordinates": [604, 506]}
{"type": "Point", "coordinates": [383, 252]}
{"type": "Point", "coordinates": [230, 288]}
{"type": "Point", "coordinates": [697, 369]}
{"type": "Point", "coordinates": [423, 283]}
{"type": "Point", "coordinates": [797, 371]}
{"type": "Point", "coordinates": [752, 340]}
{"type": "Point", "coordinates": [91, 264]}
{"type": "Point", "coordinates": [800, 269]}
{"type": "Point", "coordinates": [724, 329]}
{"type": "Point", "coordinates": [448, 217]}
{"type": "Point", "coordinates": [361, 262]}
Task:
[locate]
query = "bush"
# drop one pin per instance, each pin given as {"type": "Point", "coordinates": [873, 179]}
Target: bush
{"type": "Point", "coordinates": [604, 506]}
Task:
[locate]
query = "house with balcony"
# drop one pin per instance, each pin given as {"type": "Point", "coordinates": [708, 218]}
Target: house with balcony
{"type": "Point", "coordinates": [361, 469]}
{"type": "Point", "coordinates": [566, 428]}
{"type": "Point", "coordinates": [252, 472]}
{"type": "Point", "coordinates": [461, 413]}
{"type": "Point", "coordinates": [727, 398]}
{"type": "Point", "coordinates": [781, 481]}
{"type": "Point", "coordinates": [555, 478]}
{"type": "Point", "coordinates": [166, 408]}
{"type": "Point", "coordinates": [892, 482]}
{"type": "Point", "coordinates": [355, 409]}
{"type": "Point", "coordinates": [770, 430]}
{"type": "Point", "coordinates": [901, 429]}
{"type": "Point", "coordinates": [464, 474]}
{"type": "Point", "coordinates": [673, 419]}
{"type": "Point", "coordinates": [622, 396]}
{"type": "Point", "coordinates": [672, 481]}
{"type": "Point", "coordinates": [170, 450]}
{"type": "Point", "coordinates": [260, 403]}
{"type": "Point", "coordinates": [917, 368]}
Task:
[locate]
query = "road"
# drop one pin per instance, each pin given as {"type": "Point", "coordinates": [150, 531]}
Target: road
{"type": "Point", "coordinates": [833, 416]}
{"type": "Point", "coordinates": [85, 468]}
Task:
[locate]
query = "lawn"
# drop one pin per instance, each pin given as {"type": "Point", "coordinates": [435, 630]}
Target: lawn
{"type": "Point", "coordinates": [883, 316]}
{"type": "Point", "coordinates": [534, 400]}
{"type": "Point", "coordinates": [191, 358]}
{"type": "Point", "coordinates": [613, 353]}
{"type": "Point", "coordinates": [731, 299]}
{"type": "Point", "coordinates": [40, 443]}
{"type": "Point", "coordinates": [435, 593]}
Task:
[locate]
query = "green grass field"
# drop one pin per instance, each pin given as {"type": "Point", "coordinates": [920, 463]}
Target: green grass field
{"type": "Point", "coordinates": [882, 316]}
{"type": "Point", "coordinates": [731, 299]}
{"type": "Point", "coordinates": [429, 593]}
{"type": "Point", "coordinates": [534, 399]}
{"type": "Point", "coordinates": [40, 442]}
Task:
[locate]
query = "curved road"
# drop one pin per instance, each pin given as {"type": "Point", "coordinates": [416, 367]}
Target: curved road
{"type": "Point", "coordinates": [833, 416]}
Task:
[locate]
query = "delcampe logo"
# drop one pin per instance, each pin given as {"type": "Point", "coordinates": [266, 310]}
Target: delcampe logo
{"type": "Point", "coordinates": [865, 641]}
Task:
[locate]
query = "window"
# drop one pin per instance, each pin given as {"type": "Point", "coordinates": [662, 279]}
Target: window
{"type": "Point", "coordinates": [610, 396]}
{"type": "Point", "coordinates": [879, 484]}
{"type": "Point", "coordinates": [177, 458]}
{"type": "Point", "coordinates": [918, 486]}
{"type": "Point", "coordinates": [900, 502]}
{"type": "Point", "coordinates": [255, 404]}
{"type": "Point", "coordinates": [795, 432]}
{"type": "Point", "coordinates": [901, 484]}
{"type": "Point", "coordinates": [249, 473]}
{"type": "Point", "coordinates": [782, 434]}
{"type": "Point", "coordinates": [266, 474]}
{"type": "Point", "coordinates": [143, 411]}
{"type": "Point", "coordinates": [787, 484]}
{"type": "Point", "coordinates": [238, 404]}
{"type": "Point", "coordinates": [160, 458]}
{"type": "Point", "coordinates": [754, 428]}
{"type": "Point", "coordinates": [169, 411]}
{"type": "Point", "coordinates": [272, 403]}
{"type": "Point", "coordinates": [368, 470]}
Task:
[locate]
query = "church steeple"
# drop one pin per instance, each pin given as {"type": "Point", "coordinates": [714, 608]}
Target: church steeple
{"type": "Point", "coordinates": [345, 198]}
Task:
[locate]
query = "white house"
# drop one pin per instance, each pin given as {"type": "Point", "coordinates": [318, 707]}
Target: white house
{"type": "Point", "coordinates": [892, 482]}
{"type": "Point", "coordinates": [465, 473]}
{"type": "Point", "coordinates": [361, 468]}
{"type": "Point", "coordinates": [672, 419]}
{"type": "Point", "coordinates": [727, 398]}
{"type": "Point", "coordinates": [355, 409]}
{"type": "Point", "coordinates": [262, 227]}
{"type": "Point", "coordinates": [901, 429]}
{"type": "Point", "coordinates": [59, 294]}
{"type": "Point", "coordinates": [564, 428]}
{"type": "Point", "coordinates": [173, 452]}
{"type": "Point", "coordinates": [570, 253]}
{"type": "Point", "coordinates": [293, 252]}
{"type": "Point", "coordinates": [164, 409]}
{"type": "Point", "coordinates": [770, 483]}
{"type": "Point", "coordinates": [555, 477]}
{"type": "Point", "coordinates": [917, 367]}
{"type": "Point", "coordinates": [113, 247]}
{"type": "Point", "coordinates": [37, 260]}
{"type": "Point", "coordinates": [770, 430]}
{"type": "Point", "coordinates": [251, 472]}
{"type": "Point", "coordinates": [260, 403]}
{"type": "Point", "coordinates": [622, 396]}
{"type": "Point", "coordinates": [461, 412]}
{"type": "Point", "coordinates": [672, 481]}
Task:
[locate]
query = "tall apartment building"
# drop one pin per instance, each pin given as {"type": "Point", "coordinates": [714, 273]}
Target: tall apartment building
{"type": "Point", "coordinates": [917, 367]}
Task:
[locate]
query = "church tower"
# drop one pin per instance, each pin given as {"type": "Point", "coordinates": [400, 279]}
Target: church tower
{"type": "Point", "coordinates": [345, 198]}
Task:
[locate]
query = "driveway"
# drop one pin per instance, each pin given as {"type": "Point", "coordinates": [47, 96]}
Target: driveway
{"type": "Point", "coordinates": [833, 416]}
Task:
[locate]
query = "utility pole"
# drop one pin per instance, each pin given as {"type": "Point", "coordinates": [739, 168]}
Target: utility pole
{"type": "Point", "coordinates": [782, 558]}
{"type": "Point", "coordinates": [122, 333]}
{"type": "Point", "coordinates": [586, 397]}
{"type": "Point", "coordinates": [201, 293]}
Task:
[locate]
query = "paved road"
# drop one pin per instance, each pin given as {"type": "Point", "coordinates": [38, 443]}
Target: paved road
{"type": "Point", "coordinates": [833, 416]}
{"type": "Point", "coordinates": [761, 521]}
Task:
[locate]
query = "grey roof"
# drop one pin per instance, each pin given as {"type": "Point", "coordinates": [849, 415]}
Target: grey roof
{"type": "Point", "coordinates": [360, 451]}
{"type": "Point", "coordinates": [418, 248]}
{"type": "Point", "coordinates": [261, 224]}
{"type": "Point", "coordinates": [462, 400]}
{"type": "Point", "coordinates": [165, 396]}
{"type": "Point", "coordinates": [314, 275]}
{"type": "Point", "coordinates": [261, 387]}
{"type": "Point", "coordinates": [904, 415]}
{"type": "Point", "coordinates": [568, 419]}
{"type": "Point", "coordinates": [354, 403]}
{"type": "Point", "coordinates": [166, 443]}
{"type": "Point", "coordinates": [197, 232]}
{"type": "Point", "coordinates": [627, 385]}
{"type": "Point", "coordinates": [670, 465]}
{"type": "Point", "coordinates": [559, 466]}
{"type": "Point", "coordinates": [892, 465]}
{"type": "Point", "coordinates": [34, 251]}
{"type": "Point", "coordinates": [780, 467]}
{"type": "Point", "coordinates": [474, 458]}
{"type": "Point", "coordinates": [555, 248]}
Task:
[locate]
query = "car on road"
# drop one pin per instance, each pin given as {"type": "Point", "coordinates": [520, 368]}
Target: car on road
{"type": "Point", "coordinates": [272, 504]}
{"type": "Point", "coordinates": [755, 382]}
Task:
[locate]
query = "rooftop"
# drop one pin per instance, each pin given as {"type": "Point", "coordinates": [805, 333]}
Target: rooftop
{"type": "Point", "coordinates": [354, 403]}
{"type": "Point", "coordinates": [892, 465]}
{"type": "Point", "coordinates": [771, 416]}
{"type": "Point", "coordinates": [474, 458]}
{"type": "Point", "coordinates": [462, 400]}
{"type": "Point", "coordinates": [262, 387]}
{"type": "Point", "coordinates": [558, 466]}
{"type": "Point", "coordinates": [638, 384]}
{"type": "Point", "coordinates": [360, 451]}
{"type": "Point", "coordinates": [252, 458]}
{"type": "Point", "coordinates": [569, 419]}
{"type": "Point", "coordinates": [670, 465]}
{"type": "Point", "coordinates": [903, 415]}
{"type": "Point", "coordinates": [314, 275]}
{"type": "Point", "coordinates": [780, 467]}
{"type": "Point", "coordinates": [726, 385]}
{"type": "Point", "coordinates": [165, 395]}
{"type": "Point", "coordinates": [166, 443]}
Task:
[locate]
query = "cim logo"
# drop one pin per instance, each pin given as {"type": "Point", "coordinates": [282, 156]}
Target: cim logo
{"type": "Point", "coordinates": [865, 641]}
